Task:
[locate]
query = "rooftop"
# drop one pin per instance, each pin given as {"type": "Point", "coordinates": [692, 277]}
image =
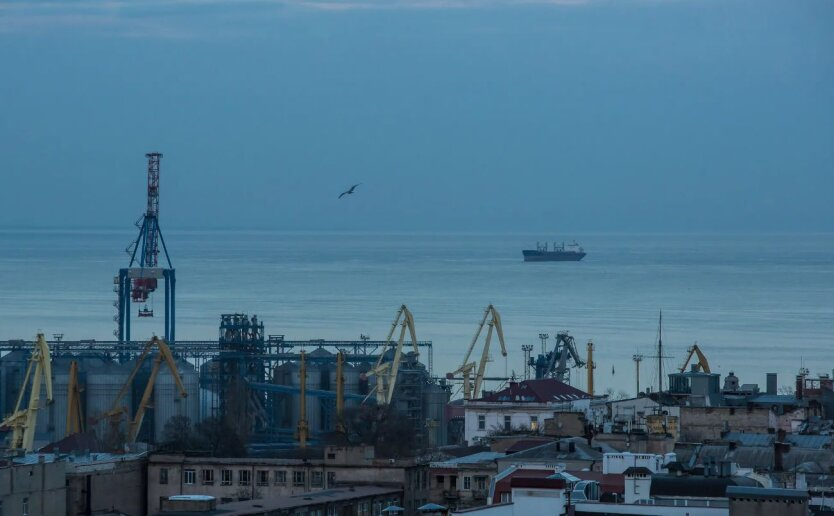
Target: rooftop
{"type": "Point", "coordinates": [545, 390]}
{"type": "Point", "coordinates": [475, 458]}
{"type": "Point", "coordinates": [264, 505]}
{"type": "Point", "coordinates": [563, 449]}
{"type": "Point", "coordinates": [761, 492]}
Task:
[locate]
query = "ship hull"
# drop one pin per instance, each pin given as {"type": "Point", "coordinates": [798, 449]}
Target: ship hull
{"type": "Point", "coordinates": [551, 256]}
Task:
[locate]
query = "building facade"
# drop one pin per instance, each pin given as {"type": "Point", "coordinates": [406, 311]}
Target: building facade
{"type": "Point", "coordinates": [33, 486]}
{"type": "Point", "coordinates": [241, 479]}
{"type": "Point", "coordinates": [521, 406]}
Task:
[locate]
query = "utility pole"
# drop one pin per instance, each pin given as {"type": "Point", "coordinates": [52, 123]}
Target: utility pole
{"type": "Point", "coordinates": [528, 349]}
{"type": "Point", "coordinates": [637, 359]}
{"type": "Point", "coordinates": [591, 366]}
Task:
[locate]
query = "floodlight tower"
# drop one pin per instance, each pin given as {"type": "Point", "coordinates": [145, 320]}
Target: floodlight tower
{"type": "Point", "coordinates": [637, 359]}
{"type": "Point", "coordinates": [136, 282]}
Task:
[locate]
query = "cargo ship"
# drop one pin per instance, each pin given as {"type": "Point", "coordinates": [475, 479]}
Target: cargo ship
{"type": "Point", "coordinates": [560, 253]}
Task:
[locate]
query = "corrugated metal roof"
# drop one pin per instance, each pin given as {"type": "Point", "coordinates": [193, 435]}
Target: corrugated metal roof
{"type": "Point", "coordinates": [817, 442]}
{"type": "Point", "coordinates": [809, 441]}
{"type": "Point", "coordinates": [750, 439]}
{"type": "Point", "coordinates": [91, 458]}
{"type": "Point", "coordinates": [775, 399]}
{"type": "Point", "coordinates": [759, 492]}
{"type": "Point", "coordinates": [486, 456]}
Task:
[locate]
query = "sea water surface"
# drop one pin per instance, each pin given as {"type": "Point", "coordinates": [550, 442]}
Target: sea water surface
{"type": "Point", "coordinates": [754, 303]}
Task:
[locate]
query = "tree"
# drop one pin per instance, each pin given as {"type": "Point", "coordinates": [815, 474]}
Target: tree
{"type": "Point", "coordinates": [219, 438]}
{"type": "Point", "coordinates": [391, 434]}
{"type": "Point", "coordinates": [177, 434]}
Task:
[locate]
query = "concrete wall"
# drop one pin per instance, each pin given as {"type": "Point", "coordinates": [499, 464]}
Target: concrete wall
{"type": "Point", "coordinates": [506, 509]}
{"type": "Point", "coordinates": [414, 480]}
{"type": "Point", "coordinates": [531, 501]}
{"type": "Point", "coordinates": [38, 487]}
{"type": "Point", "coordinates": [118, 485]}
{"type": "Point", "coordinates": [565, 424]}
{"type": "Point", "coordinates": [649, 510]}
{"type": "Point", "coordinates": [757, 507]}
{"type": "Point", "coordinates": [701, 423]}
{"type": "Point", "coordinates": [618, 462]}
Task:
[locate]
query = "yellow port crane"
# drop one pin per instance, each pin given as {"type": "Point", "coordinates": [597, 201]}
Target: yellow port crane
{"type": "Point", "coordinates": [75, 417]}
{"type": "Point", "coordinates": [23, 420]}
{"type": "Point", "coordinates": [701, 365]}
{"type": "Point", "coordinates": [472, 389]}
{"type": "Point", "coordinates": [302, 431]}
{"type": "Point", "coordinates": [117, 410]}
{"type": "Point", "coordinates": [386, 372]}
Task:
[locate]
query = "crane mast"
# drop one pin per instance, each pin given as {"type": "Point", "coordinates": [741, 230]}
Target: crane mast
{"type": "Point", "coordinates": [472, 389]}
{"type": "Point", "coordinates": [140, 278]}
{"type": "Point", "coordinates": [303, 429]}
{"type": "Point", "coordinates": [701, 365]}
{"type": "Point", "coordinates": [149, 258]}
{"type": "Point", "coordinates": [386, 372]}
{"type": "Point", "coordinates": [23, 420]}
{"type": "Point", "coordinates": [117, 410]}
{"type": "Point", "coordinates": [75, 419]}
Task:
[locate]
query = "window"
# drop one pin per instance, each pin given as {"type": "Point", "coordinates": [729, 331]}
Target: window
{"type": "Point", "coordinates": [453, 482]}
{"type": "Point", "coordinates": [508, 423]}
{"type": "Point", "coordinates": [481, 422]}
{"type": "Point", "coordinates": [364, 509]}
{"type": "Point", "coordinates": [467, 483]}
{"type": "Point", "coordinates": [439, 480]}
{"type": "Point", "coordinates": [163, 475]}
{"type": "Point", "coordinates": [315, 479]}
{"type": "Point", "coordinates": [281, 478]}
{"type": "Point", "coordinates": [480, 482]}
{"type": "Point", "coordinates": [25, 511]}
{"type": "Point", "coordinates": [207, 476]}
{"type": "Point", "coordinates": [298, 478]}
{"type": "Point", "coordinates": [244, 477]}
{"type": "Point", "coordinates": [226, 477]}
{"type": "Point", "coordinates": [534, 423]}
{"type": "Point", "coordinates": [263, 477]}
{"type": "Point", "coordinates": [424, 480]}
{"type": "Point", "coordinates": [188, 476]}
{"type": "Point", "coordinates": [505, 497]}
{"type": "Point", "coordinates": [331, 479]}
{"type": "Point", "coordinates": [331, 510]}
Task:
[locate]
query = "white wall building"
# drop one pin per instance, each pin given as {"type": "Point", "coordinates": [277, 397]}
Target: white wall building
{"type": "Point", "coordinates": [617, 463]}
{"type": "Point", "coordinates": [522, 405]}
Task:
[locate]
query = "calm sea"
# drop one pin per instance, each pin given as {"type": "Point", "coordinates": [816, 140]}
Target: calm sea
{"type": "Point", "coordinates": [754, 304]}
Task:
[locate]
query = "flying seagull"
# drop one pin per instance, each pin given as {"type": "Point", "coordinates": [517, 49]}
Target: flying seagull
{"type": "Point", "coordinates": [349, 191]}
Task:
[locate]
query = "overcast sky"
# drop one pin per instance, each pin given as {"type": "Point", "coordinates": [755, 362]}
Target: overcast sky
{"type": "Point", "coordinates": [475, 115]}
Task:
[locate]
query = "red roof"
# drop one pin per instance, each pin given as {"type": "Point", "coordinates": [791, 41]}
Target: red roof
{"type": "Point", "coordinates": [608, 483]}
{"type": "Point", "coordinates": [545, 390]}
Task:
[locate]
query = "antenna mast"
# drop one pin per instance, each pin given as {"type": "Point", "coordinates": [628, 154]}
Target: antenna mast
{"type": "Point", "coordinates": [660, 353]}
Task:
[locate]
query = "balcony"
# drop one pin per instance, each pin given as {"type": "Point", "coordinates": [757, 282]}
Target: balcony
{"type": "Point", "coordinates": [479, 494]}
{"type": "Point", "coordinates": [451, 494]}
